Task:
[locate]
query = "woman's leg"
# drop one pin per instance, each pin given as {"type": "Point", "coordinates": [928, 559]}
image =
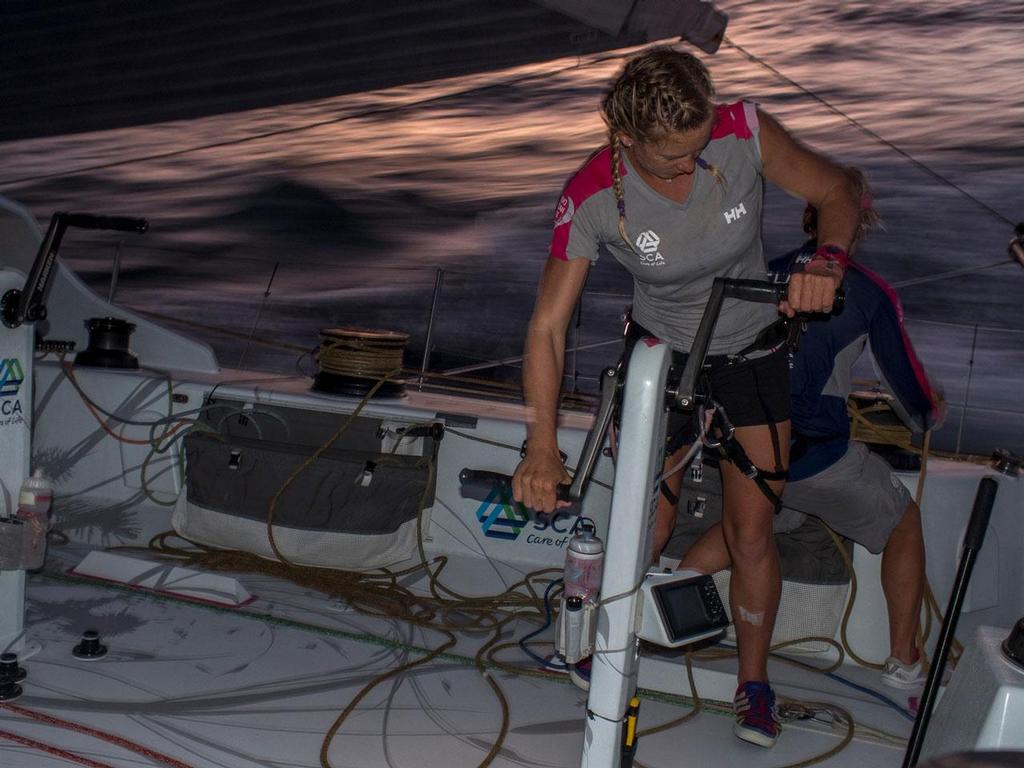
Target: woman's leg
{"type": "Point", "coordinates": [668, 503]}
{"type": "Point", "coordinates": [903, 583]}
{"type": "Point", "coordinates": [747, 527]}
{"type": "Point", "coordinates": [708, 554]}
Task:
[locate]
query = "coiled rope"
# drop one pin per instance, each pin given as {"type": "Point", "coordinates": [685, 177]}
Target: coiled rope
{"type": "Point", "coordinates": [360, 353]}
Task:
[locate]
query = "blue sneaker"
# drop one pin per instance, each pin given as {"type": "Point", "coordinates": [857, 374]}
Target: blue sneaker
{"type": "Point", "coordinates": [756, 718]}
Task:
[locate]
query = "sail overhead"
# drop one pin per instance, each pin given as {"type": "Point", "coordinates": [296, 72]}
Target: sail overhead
{"type": "Point", "coordinates": [68, 67]}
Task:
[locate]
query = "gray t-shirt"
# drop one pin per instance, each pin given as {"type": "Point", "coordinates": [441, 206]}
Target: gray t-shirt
{"type": "Point", "coordinates": [679, 248]}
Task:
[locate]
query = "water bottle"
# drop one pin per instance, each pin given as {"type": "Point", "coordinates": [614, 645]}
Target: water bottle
{"type": "Point", "coordinates": [33, 511]}
{"type": "Point", "coordinates": [584, 563]}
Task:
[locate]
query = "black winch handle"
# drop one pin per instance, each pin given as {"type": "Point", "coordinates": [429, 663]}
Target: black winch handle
{"type": "Point", "coordinates": [19, 306]}
{"type": "Point", "coordinates": [481, 483]}
{"type": "Point", "coordinates": [757, 291]}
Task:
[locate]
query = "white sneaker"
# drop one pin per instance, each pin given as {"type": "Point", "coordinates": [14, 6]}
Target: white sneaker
{"type": "Point", "coordinates": [896, 674]}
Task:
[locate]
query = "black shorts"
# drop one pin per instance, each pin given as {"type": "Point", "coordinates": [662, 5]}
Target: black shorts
{"type": "Point", "coordinates": [751, 390]}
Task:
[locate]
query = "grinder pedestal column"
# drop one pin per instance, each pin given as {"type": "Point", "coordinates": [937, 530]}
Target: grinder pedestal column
{"type": "Point", "coordinates": [16, 346]}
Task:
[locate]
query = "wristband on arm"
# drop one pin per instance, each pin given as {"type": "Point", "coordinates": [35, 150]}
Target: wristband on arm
{"type": "Point", "coordinates": [831, 257]}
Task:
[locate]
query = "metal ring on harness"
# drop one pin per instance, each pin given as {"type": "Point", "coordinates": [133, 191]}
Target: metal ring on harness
{"type": "Point", "coordinates": [720, 418]}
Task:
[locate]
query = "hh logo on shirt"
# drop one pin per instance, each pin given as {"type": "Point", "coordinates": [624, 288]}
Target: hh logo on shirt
{"type": "Point", "coordinates": [735, 213]}
{"type": "Point", "coordinates": [647, 243]}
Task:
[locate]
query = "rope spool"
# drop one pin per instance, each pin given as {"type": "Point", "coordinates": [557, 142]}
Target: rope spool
{"type": "Point", "coordinates": [353, 360]}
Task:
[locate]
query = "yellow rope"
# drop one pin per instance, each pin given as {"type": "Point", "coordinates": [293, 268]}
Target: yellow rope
{"type": "Point", "coordinates": [867, 430]}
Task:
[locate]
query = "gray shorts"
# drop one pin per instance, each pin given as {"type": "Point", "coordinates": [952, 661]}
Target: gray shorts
{"type": "Point", "coordinates": [858, 497]}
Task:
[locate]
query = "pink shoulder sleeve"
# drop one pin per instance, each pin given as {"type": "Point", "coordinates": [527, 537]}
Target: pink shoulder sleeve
{"type": "Point", "coordinates": [738, 119]}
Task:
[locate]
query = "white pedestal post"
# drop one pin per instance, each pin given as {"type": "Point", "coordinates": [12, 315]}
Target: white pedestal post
{"type": "Point", "coordinates": [16, 345]}
{"type": "Point", "coordinates": [641, 455]}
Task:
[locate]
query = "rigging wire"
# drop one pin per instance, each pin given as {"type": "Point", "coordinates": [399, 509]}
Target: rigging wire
{"type": "Point", "coordinates": [867, 131]}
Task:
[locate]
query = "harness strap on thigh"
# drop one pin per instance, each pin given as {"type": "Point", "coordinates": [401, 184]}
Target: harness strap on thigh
{"type": "Point", "coordinates": [667, 493]}
{"type": "Point", "coordinates": [732, 450]}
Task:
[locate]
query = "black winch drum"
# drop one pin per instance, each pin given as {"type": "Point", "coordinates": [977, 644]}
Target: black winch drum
{"type": "Point", "coordinates": [108, 344]}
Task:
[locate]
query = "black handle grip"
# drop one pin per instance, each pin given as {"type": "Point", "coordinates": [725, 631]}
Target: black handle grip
{"type": "Point", "coordinates": [762, 292]}
{"type": "Point", "coordinates": [480, 483]}
{"type": "Point", "coordinates": [116, 223]}
{"type": "Point", "coordinates": [757, 291]}
{"type": "Point", "coordinates": [978, 524]}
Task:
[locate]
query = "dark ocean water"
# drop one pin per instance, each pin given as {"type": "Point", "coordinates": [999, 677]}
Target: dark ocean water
{"type": "Point", "coordinates": [358, 201]}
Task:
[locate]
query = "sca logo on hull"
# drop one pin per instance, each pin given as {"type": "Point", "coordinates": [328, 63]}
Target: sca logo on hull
{"type": "Point", "coordinates": [11, 377]}
{"type": "Point", "coordinates": [501, 516]}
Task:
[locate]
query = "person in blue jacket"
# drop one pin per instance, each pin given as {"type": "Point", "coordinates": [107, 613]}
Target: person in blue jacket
{"type": "Point", "coordinates": [840, 481]}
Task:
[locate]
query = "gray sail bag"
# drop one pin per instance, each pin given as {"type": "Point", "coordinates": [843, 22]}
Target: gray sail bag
{"type": "Point", "coordinates": [354, 506]}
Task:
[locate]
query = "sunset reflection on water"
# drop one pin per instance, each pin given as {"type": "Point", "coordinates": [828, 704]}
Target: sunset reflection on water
{"type": "Point", "coordinates": [360, 199]}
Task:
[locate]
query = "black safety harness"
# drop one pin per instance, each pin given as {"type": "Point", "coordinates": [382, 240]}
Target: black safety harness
{"type": "Point", "coordinates": [720, 434]}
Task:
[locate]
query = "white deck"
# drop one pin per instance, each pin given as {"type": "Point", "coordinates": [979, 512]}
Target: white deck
{"type": "Point", "coordinates": [262, 685]}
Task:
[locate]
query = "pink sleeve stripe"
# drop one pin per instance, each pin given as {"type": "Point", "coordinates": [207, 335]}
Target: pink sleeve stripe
{"type": "Point", "coordinates": [915, 363]}
{"type": "Point", "coordinates": [594, 176]}
{"type": "Point", "coordinates": [733, 120]}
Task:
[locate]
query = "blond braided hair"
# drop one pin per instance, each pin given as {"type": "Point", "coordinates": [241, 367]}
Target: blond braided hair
{"type": "Point", "coordinates": [661, 90]}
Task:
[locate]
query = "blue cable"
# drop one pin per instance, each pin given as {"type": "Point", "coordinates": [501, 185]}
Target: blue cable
{"type": "Point", "coordinates": [547, 623]}
{"type": "Point", "coordinates": [871, 692]}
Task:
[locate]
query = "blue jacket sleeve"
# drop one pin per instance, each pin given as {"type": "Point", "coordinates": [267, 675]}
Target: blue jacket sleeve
{"type": "Point", "coordinates": [895, 359]}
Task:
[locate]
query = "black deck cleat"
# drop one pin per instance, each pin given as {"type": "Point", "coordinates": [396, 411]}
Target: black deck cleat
{"type": "Point", "coordinates": [10, 672]}
{"type": "Point", "coordinates": [90, 648]}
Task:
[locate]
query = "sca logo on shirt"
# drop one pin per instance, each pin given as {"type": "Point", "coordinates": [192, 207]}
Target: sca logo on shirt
{"type": "Point", "coordinates": [647, 243]}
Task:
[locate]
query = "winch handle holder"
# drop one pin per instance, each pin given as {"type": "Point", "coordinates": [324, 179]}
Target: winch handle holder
{"type": "Point", "coordinates": [26, 305]}
{"type": "Point", "coordinates": [484, 481]}
{"type": "Point", "coordinates": [758, 291]}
